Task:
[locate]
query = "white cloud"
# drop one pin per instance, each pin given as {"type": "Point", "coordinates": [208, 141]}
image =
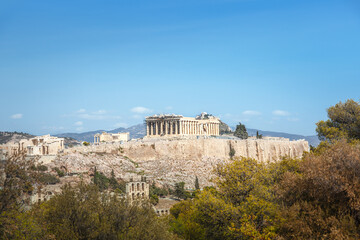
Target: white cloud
{"type": "Point", "coordinates": [82, 110]}
{"type": "Point", "coordinates": [141, 110]}
{"type": "Point", "coordinates": [280, 113]}
{"type": "Point", "coordinates": [169, 108]}
{"type": "Point", "coordinates": [17, 116]}
{"type": "Point", "coordinates": [99, 112]}
{"type": "Point", "coordinates": [251, 113]}
{"type": "Point", "coordinates": [79, 123]}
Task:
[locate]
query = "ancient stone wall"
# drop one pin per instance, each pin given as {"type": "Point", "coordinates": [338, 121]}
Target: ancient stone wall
{"type": "Point", "coordinates": [197, 149]}
{"type": "Point", "coordinates": [171, 161]}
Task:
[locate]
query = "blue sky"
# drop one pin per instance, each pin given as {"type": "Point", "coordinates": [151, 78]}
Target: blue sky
{"type": "Point", "coordinates": [74, 66]}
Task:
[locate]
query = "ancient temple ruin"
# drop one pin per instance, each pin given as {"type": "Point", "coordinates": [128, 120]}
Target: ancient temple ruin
{"type": "Point", "coordinates": [105, 137]}
{"type": "Point", "coordinates": [170, 125]}
{"type": "Point", "coordinates": [36, 146]}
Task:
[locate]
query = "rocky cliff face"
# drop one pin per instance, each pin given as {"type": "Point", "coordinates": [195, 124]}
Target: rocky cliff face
{"type": "Point", "coordinates": [198, 149]}
{"type": "Point", "coordinates": [170, 161]}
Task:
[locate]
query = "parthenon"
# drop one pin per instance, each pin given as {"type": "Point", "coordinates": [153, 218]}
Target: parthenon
{"type": "Point", "coordinates": [171, 125]}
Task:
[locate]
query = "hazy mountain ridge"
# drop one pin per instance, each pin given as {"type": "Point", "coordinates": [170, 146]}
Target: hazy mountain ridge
{"type": "Point", "coordinates": [313, 140]}
{"type": "Point", "coordinates": [136, 131]}
{"type": "Point", "coordinates": [6, 137]}
{"type": "Point", "coordinates": [139, 131]}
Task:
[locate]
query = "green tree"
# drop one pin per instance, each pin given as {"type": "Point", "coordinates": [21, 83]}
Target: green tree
{"type": "Point", "coordinates": [101, 180]}
{"type": "Point", "coordinates": [197, 185]}
{"type": "Point", "coordinates": [180, 191]}
{"type": "Point", "coordinates": [231, 151]}
{"type": "Point", "coordinates": [17, 184]}
{"type": "Point", "coordinates": [241, 131]}
{"type": "Point", "coordinates": [343, 122]}
{"type": "Point", "coordinates": [241, 207]}
{"type": "Point", "coordinates": [59, 172]}
{"type": "Point", "coordinates": [321, 199]}
{"type": "Point", "coordinates": [258, 136]}
{"type": "Point", "coordinates": [83, 212]}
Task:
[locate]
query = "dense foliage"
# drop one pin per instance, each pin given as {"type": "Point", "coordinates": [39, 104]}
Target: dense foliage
{"type": "Point", "coordinates": [17, 181]}
{"type": "Point", "coordinates": [83, 212]}
{"type": "Point", "coordinates": [241, 207]}
{"type": "Point", "coordinates": [104, 183]}
{"type": "Point", "coordinates": [343, 122]}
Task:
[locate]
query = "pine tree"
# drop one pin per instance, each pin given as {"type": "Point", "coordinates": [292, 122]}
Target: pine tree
{"type": "Point", "coordinates": [241, 131]}
{"type": "Point", "coordinates": [197, 186]}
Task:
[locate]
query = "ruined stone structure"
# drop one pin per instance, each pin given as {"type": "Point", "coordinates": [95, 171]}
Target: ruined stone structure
{"type": "Point", "coordinates": [37, 146]}
{"type": "Point", "coordinates": [105, 137]}
{"type": "Point", "coordinates": [137, 190]}
{"type": "Point", "coordinates": [177, 125]}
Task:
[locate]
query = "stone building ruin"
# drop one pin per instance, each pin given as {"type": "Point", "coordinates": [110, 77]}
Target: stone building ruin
{"type": "Point", "coordinates": [137, 190]}
{"type": "Point", "coordinates": [37, 146]}
{"type": "Point", "coordinates": [171, 125]}
{"type": "Point", "coordinates": [105, 137]}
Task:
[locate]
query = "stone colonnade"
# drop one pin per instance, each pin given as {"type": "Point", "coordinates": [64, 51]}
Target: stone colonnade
{"type": "Point", "coordinates": [97, 139]}
{"type": "Point", "coordinates": [181, 127]}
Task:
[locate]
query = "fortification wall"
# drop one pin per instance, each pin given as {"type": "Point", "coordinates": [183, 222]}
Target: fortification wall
{"type": "Point", "coordinates": [170, 161]}
{"type": "Point", "coordinates": [199, 149]}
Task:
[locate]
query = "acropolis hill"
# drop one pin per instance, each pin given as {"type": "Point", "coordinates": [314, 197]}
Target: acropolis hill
{"type": "Point", "coordinates": [175, 149]}
{"type": "Point", "coordinates": [174, 160]}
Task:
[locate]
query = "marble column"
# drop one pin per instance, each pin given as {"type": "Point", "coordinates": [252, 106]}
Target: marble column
{"type": "Point", "coordinates": [147, 129]}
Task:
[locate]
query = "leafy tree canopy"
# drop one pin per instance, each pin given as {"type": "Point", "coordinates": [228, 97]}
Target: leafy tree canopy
{"type": "Point", "coordinates": [343, 122]}
{"type": "Point", "coordinates": [241, 131]}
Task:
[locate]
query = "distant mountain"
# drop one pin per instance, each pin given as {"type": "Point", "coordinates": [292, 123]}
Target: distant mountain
{"type": "Point", "coordinates": [85, 136]}
{"type": "Point", "coordinates": [6, 137]}
{"type": "Point", "coordinates": [139, 131]}
{"type": "Point", "coordinates": [313, 140]}
{"type": "Point", "coordinates": [136, 131]}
